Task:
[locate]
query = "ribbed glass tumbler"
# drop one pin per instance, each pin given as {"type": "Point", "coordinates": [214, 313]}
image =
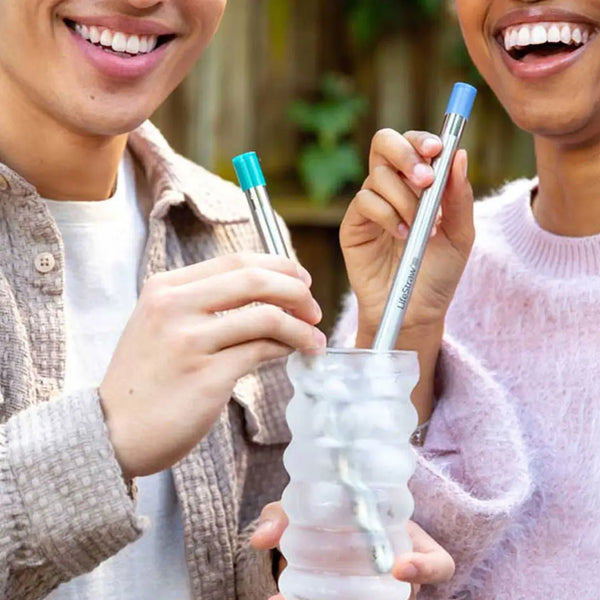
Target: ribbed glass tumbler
{"type": "Point", "coordinates": [349, 463]}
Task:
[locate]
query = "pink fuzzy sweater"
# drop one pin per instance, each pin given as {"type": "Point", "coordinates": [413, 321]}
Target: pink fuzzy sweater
{"type": "Point", "coordinates": [509, 478]}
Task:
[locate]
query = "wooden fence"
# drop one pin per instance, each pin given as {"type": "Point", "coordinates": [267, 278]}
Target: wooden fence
{"type": "Point", "coordinates": [271, 52]}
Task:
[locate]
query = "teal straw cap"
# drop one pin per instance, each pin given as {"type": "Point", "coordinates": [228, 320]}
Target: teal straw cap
{"type": "Point", "coordinates": [248, 171]}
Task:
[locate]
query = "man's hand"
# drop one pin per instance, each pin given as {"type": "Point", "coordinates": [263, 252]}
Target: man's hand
{"type": "Point", "coordinates": [429, 563]}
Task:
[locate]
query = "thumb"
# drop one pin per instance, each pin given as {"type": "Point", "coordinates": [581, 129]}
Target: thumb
{"type": "Point", "coordinates": [457, 206]}
{"type": "Point", "coordinates": [271, 525]}
{"type": "Point", "coordinates": [429, 563]}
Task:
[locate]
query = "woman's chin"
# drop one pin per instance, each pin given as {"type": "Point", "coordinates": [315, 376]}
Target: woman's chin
{"type": "Point", "coordinates": [565, 128]}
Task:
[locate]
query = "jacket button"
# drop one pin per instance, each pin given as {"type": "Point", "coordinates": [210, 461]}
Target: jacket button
{"type": "Point", "coordinates": [4, 185]}
{"type": "Point", "coordinates": [45, 262]}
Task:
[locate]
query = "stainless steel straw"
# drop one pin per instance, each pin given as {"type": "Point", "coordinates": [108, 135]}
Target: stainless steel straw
{"type": "Point", "coordinates": [252, 182]}
{"type": "Point", "coordinates": [457, 114]}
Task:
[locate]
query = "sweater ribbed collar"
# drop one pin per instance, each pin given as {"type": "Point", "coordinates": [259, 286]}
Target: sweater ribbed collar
{"type": "Point", "coordinates": [549, 254]}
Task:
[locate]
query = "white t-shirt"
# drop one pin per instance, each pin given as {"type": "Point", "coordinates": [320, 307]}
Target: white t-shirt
{"type": "Point", "coordinates": [104, 243]}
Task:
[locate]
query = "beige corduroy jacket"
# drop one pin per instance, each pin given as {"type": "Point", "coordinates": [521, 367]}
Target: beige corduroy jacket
{"type": "Point", "coordinates": [64, 507]}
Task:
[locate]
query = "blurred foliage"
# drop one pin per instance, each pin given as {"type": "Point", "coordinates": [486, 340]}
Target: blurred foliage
{"type": "Point", "coordinates": [370, 19]}
{"type": "Point", "coordinates": [331, 161]}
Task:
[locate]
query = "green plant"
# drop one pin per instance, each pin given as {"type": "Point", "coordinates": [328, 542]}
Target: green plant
{"type": "Point", "coordinates": [331, 161]}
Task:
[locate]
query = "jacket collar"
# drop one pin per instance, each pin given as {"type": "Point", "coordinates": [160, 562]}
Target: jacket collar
{"type": "Point", "coordinates": [175, 179]}
{"type": "Point", "coordinates": [171, 180]}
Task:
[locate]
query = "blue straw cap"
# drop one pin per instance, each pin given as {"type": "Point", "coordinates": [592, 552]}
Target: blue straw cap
{"type": "Point", "coordinates": [248, 171]}
{"type": "Point", "coordinates": [462, 100]}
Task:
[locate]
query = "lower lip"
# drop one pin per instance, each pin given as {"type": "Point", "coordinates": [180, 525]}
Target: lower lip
{"type": "Point", "coordinates": [117, 67]}
{"type": "Point", "coordinates": [542, 67]}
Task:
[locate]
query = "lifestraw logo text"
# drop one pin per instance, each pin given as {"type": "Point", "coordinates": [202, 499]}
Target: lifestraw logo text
{"type": "Point", "coordinates": [406, 289]}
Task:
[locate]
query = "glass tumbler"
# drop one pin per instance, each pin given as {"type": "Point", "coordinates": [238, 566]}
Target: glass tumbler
{"type": "Point", "coordinates": [349, 463]}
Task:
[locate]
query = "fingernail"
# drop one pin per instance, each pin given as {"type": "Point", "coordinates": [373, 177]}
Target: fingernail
{"type": "Point", "coordinates": [304, 275]}
{"type": "Point", "coordinates": [466, 172]}
{"type": "Point", "coordinates": [319, 344]}
{"type": "Point", "coordinates": [317, 309]}
{"type": "Point", "coordinates": [422, 172]}
{"type": "Point", "coordinates": [320, 338]}
{"type": "Point", "coordinates": [430, 144]}
{"type": "Point", "coordinates": [407, 572]}
{"type": "Point", "coordinates": [403, 231]}
{"type": "Point", "coordinates": [434, 231]}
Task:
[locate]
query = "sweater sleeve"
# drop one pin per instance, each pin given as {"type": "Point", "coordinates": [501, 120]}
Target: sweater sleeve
{"type": "Point", "coordinates": [472, 477]}
{"type": "Point", "coordinates": [64, 506]}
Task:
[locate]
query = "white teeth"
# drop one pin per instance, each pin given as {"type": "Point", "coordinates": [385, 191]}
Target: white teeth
{"type": "Point", "coordinates": [554, 34]}
{"type": "Point", "coordinates": [94, 35]}
{"type": "Point", "coordinates": [117, 40]}
{"type": "Point", "coordinates": [539, 35]}
{"type": "Point", "coordinates": [106, 38]}
{"type": "Point", "coordinates": [536, 34]}
{"type": "Point", "coordinates": [524, 36]}
{"type": "Point", "coordinates": [133, 45]}
{"type": "Point", "coordinates": [82, 30]}
{"type": "Point", "coordinates": [119, 43]}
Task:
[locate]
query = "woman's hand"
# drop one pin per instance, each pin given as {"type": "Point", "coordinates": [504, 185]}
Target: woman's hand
{"type": "Point", "coordinates": [428, 563]}
{"type": "Point", "coordinates": [185, 347]}
{"type": "Point", "coordinates": [376, 224]}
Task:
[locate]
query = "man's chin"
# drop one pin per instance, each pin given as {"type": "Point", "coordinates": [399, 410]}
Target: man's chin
{"type": "Point", "coordinates": [108, 125]}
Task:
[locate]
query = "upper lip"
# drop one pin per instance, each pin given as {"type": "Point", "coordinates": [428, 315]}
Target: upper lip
{"type": "Point", "coordinates": [129, 25]}
{"type": "Point", "coordinates": [540, 14]}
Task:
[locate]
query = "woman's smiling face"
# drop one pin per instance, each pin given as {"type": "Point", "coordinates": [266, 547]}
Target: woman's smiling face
{"type": "Point", "coordinates": [542, 59]}
{"type": "Point", "coordinates": [100, 67]}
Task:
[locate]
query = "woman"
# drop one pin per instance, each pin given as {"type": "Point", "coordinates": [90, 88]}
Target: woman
{"type": "Point", "coordinates": [509, 475]}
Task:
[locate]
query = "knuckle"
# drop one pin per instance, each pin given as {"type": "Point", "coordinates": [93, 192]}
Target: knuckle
{"type": "Point", "coordinates": [272, 319]}
{"type": "Point", "coordinates": [155, 283]}
{"type": "Point", "coordinates": [415, 136]}
{"type": "Point", "coordinates": [363, 198]}
{"type": "Point", "coordinates": [180, 344]}
{"type": "Point", "coordinates": [239, 260]}
{"type": "Point", "coordinates": [385, 136]}
{"type": "Point", "coordinates": [255, 278]}
{"type": "Point", "coordinates": [157, 300]}
{"type": "Point", "coordinates": [185, 339]}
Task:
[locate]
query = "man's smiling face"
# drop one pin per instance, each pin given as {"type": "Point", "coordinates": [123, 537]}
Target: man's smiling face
{"type": "Point", "coordinates": [100, 66]}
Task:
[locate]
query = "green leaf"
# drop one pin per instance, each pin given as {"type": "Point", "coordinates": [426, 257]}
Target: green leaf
{"type": "Point", "coordinates": [335, 116]}
{"type": "Point", "coordinates": [325, 171]}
